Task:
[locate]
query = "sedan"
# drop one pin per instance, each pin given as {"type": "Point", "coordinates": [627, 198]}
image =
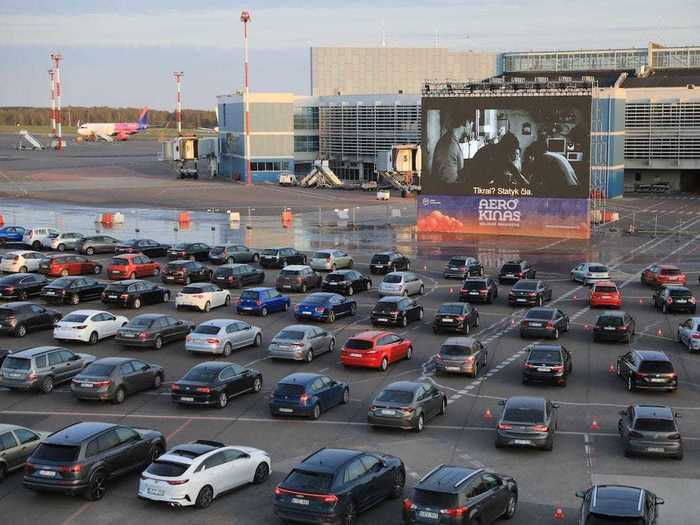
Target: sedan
{"type": "Point", "coordinates": [88, 326]}
{"type": "Point", "coordinates": [323, 306]}
{"type": "Point", "coordinates": [147, 247]}
{"type": "Point", "coordinates": [331, 260]}
{"type": "Point", "coordinates": [478, 289]}
{"type": "Point", "coordinates": [527, 422]}
{"type": "Point", "coordinates": [544, 322]}
{"type": "Point", "coordinates": [152, 331]}
{"type": "Point", "coordinates": [17, 444]}
{"type": "Point", "coordinates": [529, 292]}
{"type": "Point", "coordinates": [221, 336]}
{"type": "Point", "coordinates": [21, 286]}
{"type": "Point", "coordinates": [407, 405]}
{"type": "Point", "coordinates": [455, 317]}
{"type": "Point", "coordinates": [195, 251]}
{"type": "Point", "coordinates": [396, 310]}
{"type": "Point", "coordinates": [401, 283]}
{"type": "Point", "coordinates": [589, 272]}
{"type": "Point", "coordinates": [20, 318]}
{"type": "Point", "coordinates": [237, 276]}
{"type": "Point", "coordinates": [114, 378]}
{"type": "Point", "coordinates": [547, 363]}
{"type": "Point", "coordinates": [133, 265]}
{"type": "Point", "coordinates": [301, 343]}
{"type": "Point", "coordinates": [72, 290]}
{"type": "Point", "coordinates": [307, 394]}
{"type": "Point", "coordinates": [375, 349]}
{"type": "Point", "coordinates": [202, 296]}
{"type": "Point", "coordinates": [232, 253]}
{"type": "Point", "coordinates": [21, 261]}
{"type": "Point", "coordinates": [346, 282]}
{"type": "Point", "coordinates": [97, 244]}
{"type": "Point", "coordinates": [688, 334]}
{"type": "Point", "coordinates": [134, 294]}
{"type": "Point", "coordinates": [213, 383]}
{"type": "Point", "coordinates": [650, 430]}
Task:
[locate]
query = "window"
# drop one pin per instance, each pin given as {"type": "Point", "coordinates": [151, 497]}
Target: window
{"type": "Point", "coordinates": [126, 368]}
{"type": "Point", "coordinates": [354, 471]}
{"type": "Point", "coordinates": [306, 143]}
{"type": "Point", "coordinates": [269, 165]}
{"type": "Point", "coordinates": [215, 460]}
{"type": "Point", "coordinates": [139, 366]}
{"type": "Point", "coordinates": [126, 435]}
{"type": "Point", "coordinates": [370, 462]}
{"type": "Point", "coordinates": [37, 309]}
{"type": "Point", "coordinates": [54, 358]}
{"type": "Point", "coordinates": [7, 441]}
{"type": "Point", "coordinates": [107, 441]}
{"type": "Point", "coordinates": [66, 355]}
{"type": "Point", "coordinates": [317, 385]}
{"type": "Point", "coordinates": [91, 448]}
{"type": "Point", "coordinates": [25, 436]}
{"type": "Point", "coordinates": [233, 455]}
{"type": "Point", "coordinates": [226, 374]}
{"type": "Point", "coordinates": [41, 361]}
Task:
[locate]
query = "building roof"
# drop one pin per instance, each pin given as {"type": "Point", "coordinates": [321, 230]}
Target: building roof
{"type": "Point", "coordinates": [605, 78]}
{"type": "Point", "coordinates": [665, 78]}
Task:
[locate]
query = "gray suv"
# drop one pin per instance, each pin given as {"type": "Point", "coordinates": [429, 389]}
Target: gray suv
{"type": "Point", "coordinates": [16, 444]}
{"type": "Point", "coordinates": [650, 430]}
{"type": "Point", "coordinates": [41, 368]}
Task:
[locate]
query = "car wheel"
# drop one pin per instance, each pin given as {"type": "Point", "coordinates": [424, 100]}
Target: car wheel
{"type": "Point", "coordinates": [404, 293]}
{"type": "Point", "coordinates": [230, 260]}
{"type": "Point", "coordinates": [204, 498]}
{"type": "Point", "coordinates": [409, 353]}
{"type": "Point", "coordinates": [404, 321]}
{"type": "Point", "coordinates": [443, 407]}
{"type": "Point", "coordinates": [257, 385]}
{"type": "Point", "coordinates": [384, 365]}
{"type": "Point", "coordinates": [137, 302]}
{"type": "Point", "coordinates": [227, 350]}
{"type": "Point", "coordinates": [188, 280]}
{"type": "Point", "coordinates": [317, 412]}
{"type": "Point", "coordinates": [74, 299]}
{"type": "Point", "coordinates": [222, 401]}
{"type": "Point", "coordinates": [331, 317]}
{"type": "Point", "coordinates": [61, 247]}
{"type": "Point", "coordinates": [510, 507]}
{"type": "Point", "coordinates": [555, 335]}
{"type": "Point", "coordinates": [65, 272]}
{"type": "Point", "coordinates": [166, 297]}
{"type": "Point", "coordinates": [285, 307]}
{"type": "Point", "coordinates": [22, 295]}
{"type": "Point", "coordinates": [664, 308]}
{"type": "Point", "coordinates": [3, 471]}
{"type": "Point", "coordinates": [331, 345]}
{"type": "Point", "coordinates": [119, 396]}
{"type": "Point", "coordinates": [346, 397]}
{"type": "Point", "coordinates": [466, 327]}
{"type": "Point", "coordinates": [207, 306]}
{"type": "Point", "coordinates": [23, 269]}
{"type": "Point", "coordinates": [90, 251]}
{"type": "Point", "coordinates": [261, 473]}
{"type": "Point", "coordinates": [369, 285]}
{"type": "Point", "coordinates": [227, 301]}
{"type": "Point", "coordinates": [158, 343]}
{"type": "Point", "coordinates": [421, 291]}
{"type": "Point", "coordinates": [309, 356]}
{"type": "Point", "coordinates": [263, 312]}
{"type": "Point", "coordinates": [258, 340]}
{"type": "Point", "coordinates": [630, 385]}
{"type": "Point", "coordinates": [419, 424]}
{"type": "Point", "coordinates": [540, 301]}
{"type": "Point", "coordinates": [303, 288]}
{"type": "Point", "coordinates": [46, 385]}
{"type": "Point", "coordinates": [21, 330]}
{"type": "Point", "coordinates": [94, 338]}
{"type": "Point", "coordinates": [398, 485]}
{"type": "Point", "coordinates": [350, 290]}
{"type": "Point", "coordinates": [349, 514]}
{"type": "Point", "coordinates": [96, 486]}
{"type": "Point", "coordinates": [156, 272]}
{"type": "Point", "coordinates": [476, 369]}
{"type": "Point", "coordinates": [157, 381]}
{"type": "Point", "coordinates": [420, 314]}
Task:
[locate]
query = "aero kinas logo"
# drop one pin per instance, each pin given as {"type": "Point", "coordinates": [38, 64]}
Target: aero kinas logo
{"type": "Point", "coordinates": [502, 212]}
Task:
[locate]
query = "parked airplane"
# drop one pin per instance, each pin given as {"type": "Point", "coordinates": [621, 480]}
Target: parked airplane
{"type": "Point", "coordinates": [118, 130]}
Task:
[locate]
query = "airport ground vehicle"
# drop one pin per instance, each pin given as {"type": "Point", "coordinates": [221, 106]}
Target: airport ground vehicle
{"type": "Point", "coordinates": [544, 322]}
{"type": "Point", "coordinates": [222, 336]}
{"type": "Point", "coordinates": [301, 343]}
{"type": "Point", "coordinates": [88, 326]}
{"type": "Point", "coordinates": [618, 504]}
{"type": "Point", "coordinates": [614, 325]}
{"type": "Point", "coordinates": [65, 265]}
{"type": "Point", "coordinates": [396, 310]}
{"type": "Point", "coordinates": [72, 290]}
{"type": "Point", "coordinates": [237, 275]}
{"type": "Point", "coordinates": [97, 244]}
{"type": "Point", "coordinates": [455, 317]}
{"type": "Point", "coordinates": [401, 283]}
{"type": "Point", "coordinates": [324, 306]}
{"type": "Point", "coordinates": [41, 368]}
{"type": "Point", "coordinates": [346, 282]}
{"type": "Point", "coordinates": [529, 292]}
{"type": "Point", "coordinates": [213, 383]}
{"type": "Point", "coordinates": [232, 253]}
{"type": "Point", "coordinates": [262, 301]}
{"type": "Point", "coordinates": [647, 370]}
{"type": "Point", "coordinates": [153, 331]}
{"type": "Point", "coordinates": [20, 318]}
{"type": "Point", "coordinates": [461, 355]}
{"type": "Point", "coordinates": [513, 271]}
{"type": "Point", "coordinates": [115, 378]}
{"type": "Point", "coordinates": [375, 349]}
{"type": "Point", "coordinates": [132, 265]}
{"type": "Point", "coordinates": [147, 247]}
{"type": "Point", "coordinates": [134, 294]}
{"type": "Point", "coordinates": [547, 363]}
{"type": "Point", "coordinates": [202, 297]}
{"type": "Point", "coordinates": [527, 422]}
{"type": "Point", "coordinates": [478, 289]}
{"type": "Point", "coordinates": [307, 394]}
{"type": "Point", "coordinates": [21, 286]}
{"type": "Point", "coordinates": [406, 405]}
{"type": "Point", "coordinates": [21, 261]}
{"type": "Point", "coordinates": [16, 445]}
{"type": "Point", "coordinates": [650, 430]}
{"type": "Point", "coordinates": [297, 278]}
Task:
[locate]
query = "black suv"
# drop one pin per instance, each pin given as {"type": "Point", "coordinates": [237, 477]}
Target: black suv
{"type": "Point", "coordinates": [396, 310]}
{"type": "Point", "coordinates": [20, 286]}
{"type": "Point", "coordinates": [481, 289]}
{"type": "Point", "coordinates": [386, 262]}
{"type": "Point", "coordinates": [134, 294]}
{"type": "Point", "coordinates": [453, 495]}
{"type": "Point", "coordinates": [334, 485]}
{"type": "Point", "coordinates": [513, 271]}
{"type": "Point", "coordinates": [281, 257]}
{"type": "Point", "coordinates": [614, 326]}
{"type": "Point", "coordinates": [148, 247]}
{"type": "Point", "coordinates": [81, 458]}
{"type": "Point", "coordinates": [72, 290]}
{"type": "Point", "coordinates": [650, 430]}
{"type": "Point", "coordinates": [461, 267]}
{"type": "Point", "coordinates": [529, 292]}
{"type": "Point", "coordinates": [19, 319]}
{"type": "Point", "coordinates": [185, 272]}
{"type": "Point", "coordinates": [455, 317]}
{"type": "Point", "coordinates": [673, 298]}
{"type": "Point", "coordinates": [647, 369]}
{"type": "Point", "coordinates": [237, 275]}
{"type": "Point", "coordinates": [618, 504]}
{"type": "Point", "coordinates": [547, 363]}
{"type": "Point", "coordinates": [195, 251]}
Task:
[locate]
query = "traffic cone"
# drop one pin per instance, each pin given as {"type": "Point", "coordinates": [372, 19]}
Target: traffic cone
{"type": "Point", "coordinates": [488, 414]}
{"type": "Point", "coordinates": [611, 369]}
{"type": "Point", "coordinates": [659, 332]}
{"type": "Point", "coordinates": [594, 424]}
{"type": "Point", "coordinates": [451, 291]}
{"type": "Point", "coordinates": [559, 514]}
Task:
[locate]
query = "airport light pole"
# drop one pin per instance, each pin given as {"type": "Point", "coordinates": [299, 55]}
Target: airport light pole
{"type": "Point", "coordinates": [245, 18]}
{"type": "Point", "coordinates": [53, 102]}
{"type": "Point", "coordinates": [56, 57]}
{"type": "Point", "coordinates": [178, 109]}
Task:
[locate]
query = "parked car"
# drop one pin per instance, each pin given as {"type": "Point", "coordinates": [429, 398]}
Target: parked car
{"type": "Point", "coordinates": [673, 298]}
{"type": "Point", "coordinates": [202, 296]}
{"type": "Point", "coordinates": [529, 292]}
{"type": "Point", "coordinates": [134, 294]}
{"type": "Point", "coordinates": [331, 260]}
{"type": "Point", "coordinates": [10, 234]}
{"type": "Point", "coordinates": [607, 294]}
{"type": "Point", "coordinates": [281, 257]}
{"type": "Point", "coordinates": [185, 272]}
{"type": "Point", "coordinates": [237, 275]}
{"type": "Point", "coordinates": [16, 445]}
{"type": "Point", "coordinates": [34, 237]}
{"type": "Point", "coordinates": [324, 306]}
{"type": "Point", "coordinates": [528, 422]}
{"type": "Point", "coordinates": [658, 274]}
{"type": "Point", "coordinates": [614, 326]}
{"type": "Point", "coordinates": [115, 378]}
{"type": "Point", "coordinates": [297, 278]}
{"type": "Point", "coordinates": [72, 290]}
{"type": "Point", "coordinates": [4, 352]}
{"type": "Point", "coordinates": [65, 265]}
{"type": "Point", "coordinates": [513, 271]}
{"type": "Point", "coordinates": [618, 504]}
{"type": "Point", "coordinates": [647, 369]}
{"type": "Point", "coordinates": [262, 301]}
{"type": "Point", "coordinates": [232, 253]}
{"type": "Point", "coordinates": [650, 430]}
{"type": "Point", "coordinates": [194, 251]}
{"type": "Point", "coordinates": [194, 473]}
{"type": "Point", "coordinates": [407, 405]}
{"type": "Point", "coordinates": [62, 241]}
{"type": "Point", "coordinates": [334, 485]}
{"type": "Point", "coordinates": [214, 383]}
{"type": "Point", "coordinates": [461, 355]}
{"type": "Point", "coordinates": [21, 286]}
{"type": "Point", "coordinates": [147, 247]}
{"type": "Point", "coordinates": [462, 267]}
{"type": "Point", "coordinates": [688, 333]}
{"type": "Point", "coordinates": [547, 363]}
{"type": "Point", "coordinates": [153, 331]}
{"type": "Point", "coordinates": [386, 262]}
{"type": "Point", "coordinates": [20, 318]}
{"type": "Point", "coordinates": [221, 336]}
{"type": "Point", "coordinates": [81, 458]}
{"type": "Point", "coordinates": [307, 394]}
{"type": "Point", "coordinates": [375, 349]}
{"type": "Point", "coordinates": [455, 317]}
{"type": "Point", "coordinates": [589, 273]}
{"type": "Point", "coordinates": [455, 494]}
{"type": "Point", "coordinates": [544, 322]}
{"type": "Point", "coordinates": [301, 343]}
{"type": "Point", "coordinates": [401, 283]}
{"type": "Point", "coordinates": [21, 261]}
{"type": "Point", "coordinates": [41, 368]}
{"type": "Point", "coordinates": [478, 289]}
{"type": "Point", "coordinates": [88, 326]}
{"type": "Point", "coordinates": [132, 265]}
{"type": "Point", "coordinates": [396, 310]}
{"type": "Point", "coordinates": [346, 282]}
{"type": "Point", "coordinates": [97, 244]}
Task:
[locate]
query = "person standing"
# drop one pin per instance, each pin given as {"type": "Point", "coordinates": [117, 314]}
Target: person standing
{"type": "Point", "coordinates": [448, 159]}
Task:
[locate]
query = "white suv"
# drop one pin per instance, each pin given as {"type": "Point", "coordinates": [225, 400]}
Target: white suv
{"type": "Point", "coordinates": [35, 237]}
{"type": "Point", "coordinates": [202, 296]}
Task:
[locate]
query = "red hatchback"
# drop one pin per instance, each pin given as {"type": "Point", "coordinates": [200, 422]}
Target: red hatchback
{"type": "Point", "coordinates": [64, 265]}
{"type": "Point", "coordinates": [375, 349]}
{"type": "Point", "coordinates": [658, 274]}
{"type": "Point", "coordinates": [131, 266]}
{"type": "Point", "coordinates": [605, 293]}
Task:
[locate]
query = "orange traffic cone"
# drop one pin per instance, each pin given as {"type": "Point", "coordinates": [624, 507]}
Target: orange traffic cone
{"type": "Point", "coordinates": [451, 291]}
{"type": "Point", "coordinates": [611, 369]}
{"type": "Point", "coordinates": [594, 424]}
{"type": "Point", "coordinates": [488, 414]}
{"type": "Point", "coordinates": [559, 513]}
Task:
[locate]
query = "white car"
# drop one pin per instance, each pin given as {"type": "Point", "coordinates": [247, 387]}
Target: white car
{"type": "Point", "coordinates": [383, 195]}
{"type": "Point", "coordinates": [220, 336]}
{"type": "Point", "coordinates": [195, 473]}
{"type": "Point", "coordinates": [34, 237]}
{"type": "Point", "coordinates": [202, 296]}
{"type": "Point", "coordinates": [88, 326]}
{"type": "Point", "coordinates": [401, 283]}
{"type": "Point", "coordinates": [21, 261]}
{"type": "Point", "coordinates": [589, 272]}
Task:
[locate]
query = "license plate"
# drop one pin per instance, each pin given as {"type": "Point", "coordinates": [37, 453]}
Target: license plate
{"type": "Point", "coordinates": [519, 300]}
{"type": "Point", "coordinates": [447, 320]}
{"type": "Point", "coordinates": [286, 410]}
{"type": "Point", "coordinates": [169, 278]}
{"type": "Point", "coordinates": [522, 441]}
{"type": "Point", "coordinates": [86, 385]}
{"type": "Point", "coordinates": [473, 293]}
{"type": "Point", "coordinates": [128, 335]}
{"type": "Point", "coordinates": [388, 412]}
{"type": "Point", "coordinates": [510, 275]}
{"type": "Point", "coordinates": [681, 301]}
{"type": "Point", "coordinates": [286, 286]}
{"type": "Point", "coordinates": [605, 297]}
{"type": "Point", "coordinates": [454, 269]}
{"type": "Point", "coordinates": [657, 380]}
{"type": "Point", "coordinates": [47, 473]}
{"type": "Point", "coordinates": [247, 308]}
{"type": "Point", "coordinates": [535, 324]}
{"type": "Point", "coordinates": [112, 296]}
{"type": "Point", "coordinates": [378, 266]}
{"type": "Point", "coordinates": [49, 292]}
{"type": "Point", "coordinates": [608, 328]}
{"type": "Point", "coordinates": [300, 501]}
{"type": "Point", "coordinates": [655, 449]}
{"type": "Point", "coordinates": [452, 368]}
{"type": "Point", "coordinates": [155, 492]}
{"type": "Point", "coordinates": [544, 369]}
{"type": "Point", "coordinates": [306, 313]}
{"type": "Point", "coordinates": [382, 319]}
{"type": "Point", "coordinates": [427, 514]}
{"type": "Point", "coordinates": [220, 278]}
{"type": "Point", "coordinates": [18, 376]}
{"type": "Point", "coordinates": [355, 355]}
{"type": "Point", "coordinates": [186, 399]}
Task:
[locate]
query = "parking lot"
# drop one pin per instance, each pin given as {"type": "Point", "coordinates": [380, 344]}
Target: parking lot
{"type": "Point", "coordinates": [587, 447]}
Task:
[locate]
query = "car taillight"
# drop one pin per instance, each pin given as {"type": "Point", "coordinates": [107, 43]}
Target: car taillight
{"type": "Point", "coordinates": [691, 300]}
{"type": "Point", "coordinates": [408, 504]}
{"type": "Point", "coordinates": [407, 410]}
{"type": "Point", "coordinates": [80, 327]}
{"type": "Point", "coordinates": [304, 398]}
{"type": "Point", "coordinates": [177, 481]}
{"type": "Point", "coordinates": [469, 359]}
{"type": "Point", "coordinates": [258, 302]}
{"type": "Point", "coordinates": [637, 375]}
{"type": "Point", "coordinates": [483, 292]}
{"type": "Point", "coordinates": [460, 318]}
{"type": "Point", "coordinates": [532, 294]}
{"type": "Point", "coordinates": [549, 326]}
{"type": "Point", "coordinates": [28, 468]}
{"type": "Point", "coordinates": [174, 386]}
{"type": "Point", "coordinates": [143, 335]}
{"type": "Point", "coordinates": [455, 512]}
{"type": "Point", "coordinates": [72, 469]}
{"type": "Point", "coordinates": [330, 498]}
{"type": "Point", "coordinates": [504, 426]}
{"type": "Point", "coordinates": [540, 428]}
{"type": "Point", "coordinates": [669, 300]}
{"type": "Point", "coordinates": [231, 278]}
{"type": "Point", "coordinates": [557, 368]}
{"type": "Point", "coordinates": [180, 273]}
{"type": "Point", "coordinates": [213, 341]}
{"type": "Point", "coordinates": [32, 375]}
{"type": "Point", "coordinates": [203, 389]}
{"type": "Point", "coordinates": [101, 384]}
{"type": "Point", "coordinates": [298, 279]}
{"type": "Point", "coordinates": [622, 328]}
{"type": "Point", "coordinates": [695, 336]}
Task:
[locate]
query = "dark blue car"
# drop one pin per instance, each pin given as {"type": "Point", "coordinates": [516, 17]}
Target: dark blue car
{"type": "Point", "coordinates": [323, 306]}
{"type": "Point", "coordinates": [11, 234]}
{"type": "Point", "coordinates": [262, 301]}
{"type": "Point", "coordinates": [307, 394]}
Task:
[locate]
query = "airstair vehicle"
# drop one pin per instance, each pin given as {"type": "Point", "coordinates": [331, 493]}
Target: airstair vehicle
{"type": "Point", "coordinates": [28, 138]}
{"type": "Point", "coordinates": [321, 176]}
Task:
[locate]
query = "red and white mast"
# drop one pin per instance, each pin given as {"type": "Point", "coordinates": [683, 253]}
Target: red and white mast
{"type": "Point", "coordinates": [178, 110]}
{"type": "Point", "coordinates": [53, 102]}
{"type": "Point", "coordinates": [56, 57]}
{"type": "Point", "coordinates": [245, 18]}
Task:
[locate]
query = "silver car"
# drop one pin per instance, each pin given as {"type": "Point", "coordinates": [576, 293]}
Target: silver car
{"type": "Point", "coordinates": [16, 445]}
{"type": "Point", "coordinates": [589, 272]}
{"type": "Point", "coordinates": [62, 241]}
{"type": "Point", "coordinates": [331, 260]}
{"type": "Point", "coordinates": [301, 342]}
{"type": "Point", "coordinates": [689, 333]}
{"type": "Point", "coordinates": [401, 283]}
{"type": "Point", "coordinates": [221, 336]}
{"type": "Point", "coordinates": [41, 368]}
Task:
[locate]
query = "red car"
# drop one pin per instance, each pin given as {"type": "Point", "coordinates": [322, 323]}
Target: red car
{"type": "Point", "coordinates": [64, 265]}
{"type": "Point", "coordinates": [375, 349]}
{"type": "Point", "coordinates": [131, 266]}
{"type": "Point", "coordinates": [605, 293]}
{"type": "Point", "coordinates": [658, 274]}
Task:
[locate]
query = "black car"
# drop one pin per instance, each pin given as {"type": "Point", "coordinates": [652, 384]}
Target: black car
{"type": "Point", "coordinates": [478, 289]}
{"type": "Point", "coordinates": [544, 322]}
{"type": "Point", "coordinates": [386, 262]}
{"type": "Point", "coordinates": [153, 331]}
{"type": "Point", "coordinates": [461, 267]}
{"type": "Point", "coordinates": [147, 247]}
{"type": "Point", "coordinates": [334, 485]}
{"type": "Point", "coordinates": [237, 275]}
{"type": "Point", "coordinates": [547, 363]}
{"type": "Point", "coordinates": [214, 383]}
{"type": "Point", "coordinates": [527, 422]}
{"type": "Point", "coordinates": [618, 504]}
{"type": "Point", "coordinates": [647, 369]}
{"type": "Point", "coordinates": [650, 430]}
{"type": "Point", "coordinates": [673, 298]}
{"type": "Point", "coordinates": [72, 290]}
{"type": "Point", "coordinates": [81, 458]}
{"type": "Point", "coordinates": [407, 405]}
{"type": "Point", "coordinates": [346, 282]}
{"type": "Point", "coordinates": [194, 251]}
{"type": "Point", "coordinates": [113, 378]}
{"type": "Point", "coordinates": [281, 257]}
{"type": "Point", "coordinates": [20, 318]}
{"type": "Point", "coordinates": [97, 244]}
{"type": "Point", "coordinates": [20, 286]}
{"type": "Point", "coordinates": [396, 310]}
{"type": "Point", "coordinates": [529, 292]}
{"type": "Point", "coordinates": [134, 294]}
{"type": "Point", "coordinates": [454, 495]}
{"type": "Point", "coordinates": [513, 271]}
{"type": "Point", "coordinates": [614, 325]}
{"type": "Point", "coordinates": [185, 272]}
{"type": "Point", "coordinates": [455, 317]}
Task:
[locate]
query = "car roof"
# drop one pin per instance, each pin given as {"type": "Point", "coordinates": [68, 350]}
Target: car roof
{"type": "Point", "coordinates": [214, 365]}
{"type": "Point", "coordinates": [653, 411]}
{"type": "Point", "coordinates": [299, 378]}
{"type": "Point", "coordinates": [128, 282]}
{"type": "Point", "coordinates": [526, 281]}
{"type": "Point", "coordinates": [150, 316]}
{"type": "Point", "coordinates": [525, 402]}
{"type": "Point", "coordinates": [546, 346]}
{"type": "Point", "coordinates": [198, 285]}
{"type": "Point", "coordinates": [370, 335]}
{"type": "Point", "coordinates": [324, 295]}
{"type": "Point", "coordinates": [20, 252]}
{"type": "Point", "coordinates": [329, 459]}
{"type": "Point", "coordinates": [78, 432]}
{"type": "Point", "coordinates": [387, 253]}
{"type": "Point", "coordinates": [88, 312]}
{"type": "Point", "coordinates": [402, 274]}
{"type": "Point", "coordinates": [405, 386]}
{"type": "Point", "coordinates": [236, 265]}
{"type": "Point", "coordinates": [652, 355]}
{"type": "Point", "coordinates": [446, 478]}
{"type": "Point", "coordinates": [614, 313]}
{"type": "Point", "coordinates": [668, 267]}
{"type": "Point", "coordinates": [196, 448]}
{"type": "Point", "coordinates": [605, 283]}
{"type": "Point", "coordinates": [514, 261]}
{"type": "Point", "coordinates": [546, 309]}
{"type": "Point", "coordinates": [18, 276]}
{"type": "Point", "coordinates": [31, 352]}
{"type": "Point", "coordinates": [113, 360]}
{"type": "Point", "coordinates": [390, 299]}
{"type": "Point", "coordinates": [4, 427]}
{"type": "Point", "coordinates": [179, 262]}
{"type": "Point", "coordinates": [219, 322]}
{"type": "Point", "coordinates": [341, 272]}
{"type": "Point", "coordinates": [258, 289]}
{"type": "Point", "coordinates": [676, 287]}
{"type": "Point", "coordinates": [296, 267]}
{"type": "Point", "coordinates": [455, 303]}
{"type": "Point", "coordinates": [459, 341]}
{"type": "Point", "coordinates": [15, 304]}
{"type": "Point", "coordinates": [617, 500]}
{"type": "Point", "coordinates": [303, 327]}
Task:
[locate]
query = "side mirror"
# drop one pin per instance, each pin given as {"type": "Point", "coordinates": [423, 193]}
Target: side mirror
{"type": "Point", "coordinates": [677, 415]}
{"type": "Point", "coordinates": [74, 358]}
{"type": "Point", "coordinates": [179, 323]}
{"type": "Point", "coordinates": [555, 405]}
{"type": "Point", "coordinates": [622, 412]}
{"type": "Point", "coordinates": [659, 501]}
{"type": "Point", "coordinates": [580, 494]}
{"type": "Point", "coordinates": [502, 403]}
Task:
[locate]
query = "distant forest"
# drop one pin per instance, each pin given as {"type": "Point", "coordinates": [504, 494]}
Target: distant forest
{"type": "Point", "coordinates": [29, 116]}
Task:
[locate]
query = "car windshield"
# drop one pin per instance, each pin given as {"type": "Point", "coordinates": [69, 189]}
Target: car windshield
{"type": "Point", "coordinates": [380, 259]}
{"type": "Point", "coordinates": [249, 295]}
{"type": "Point", "coordinates": [610, 320]}
{"type": "Point", "coordinates": [322, 255]}
{"type": "Point", "coordinates": [6, 312]}
{"type": "Point", "coordinates": [605, 289]}
{"type": "Point", "coordinates": [656, 367]}
{"type": "Point", "coordinates": [10, 257]}
{"type": "Point", "coordinates": [386, 306]}
{"type": "Point", "coordinates": [141, 322]}
{"type": "Point", "coordinates": [474, 285]}
{"type": "Point", "coordinates": [455, 350]}
{"type": "Point", "coordinates": [269, 251]}
{"type": "Point", "coordinates": [191, 290]}
{"type": "Point", "coordinates": [541, 314]}
{"type": "Point", "coordinates": [655, 425]}
{"type": "Point", "coordinates": [525, 285]}
{"type": "Point", "coordinates": [395, 396]}
{"type": "Point", "coordinates": [207, 329]}
{"type": "Point", "coordinates": [202, 374]}
{"type": "Point", "coordinates": [336, 277]}
{"type": "Point", "coordinates": [524, 414]}
{"type": "Point", "coordinates": [58, 453]}
{"type": "Point", "coordinates": [680, 293]}
{"type": "Point", "coordinates": [315, 299]}
{"type": "Point", "coordinates": [441, 500]}
{"type": "Point", "coordinates": [119, 261]}
{"type": "Point", "coordinates": [180, 246]}
{"type": "Point", "coordinates": [457, 261]}
{"type": "Point", "coordinates": [97, 369]}
{"type": "Point", "coordinates": [291, 335]}
{"type": "Point", "coordinates": [359, 344]}
{"type": "Point", "coordinates": [17, 363]}
{"type": "Point", "coordinates": [541, 355]}
{"type": "Point", "coordinates": [451, 309]}
{"type": "Point", "coordinates": [285, 389]}
{"type": "Point", "coordinates": [167, 469]}
{"type": "Point", "coordinates": [304, 480]}
{"type": "Point", "coordinates": [670, 271]}
{"type": "Point", "coordinates": [393, 279]}
{"type": "Point", "coordinates": [62, 282]}
{"type": "Point", "coordinates": [290, 273]}
{"type": "Point", "coordinates": [75, 318]}
{"type": "Point", "coordinates": [598, 269]}
{"type": "Point", "coordinates": [115, 288]}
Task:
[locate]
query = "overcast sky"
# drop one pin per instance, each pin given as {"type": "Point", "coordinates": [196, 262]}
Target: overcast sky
{"type": "Point", "coordinates": [123, 52]}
